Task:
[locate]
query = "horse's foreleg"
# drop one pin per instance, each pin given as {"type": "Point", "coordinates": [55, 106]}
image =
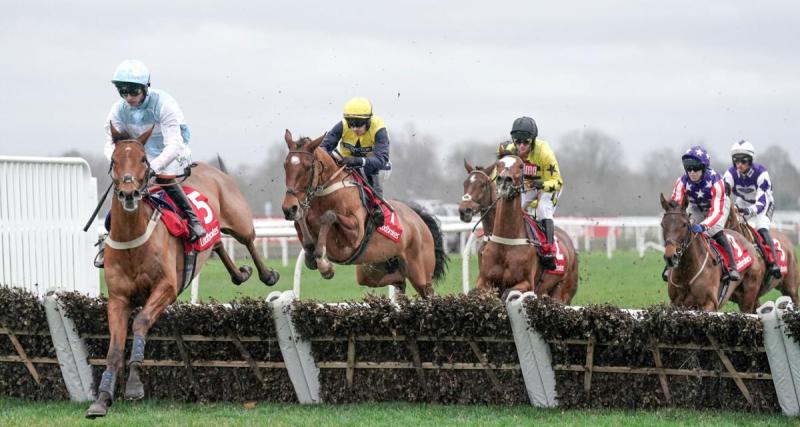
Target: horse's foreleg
{"type": "Point", "coordinates": [118, 313]}
{"type": "Point", "coordinates": [159, 299]}
{"type": "Point", "coordinates": [327, 220]}
{"type": "Point", "coordinates": [238, 276]}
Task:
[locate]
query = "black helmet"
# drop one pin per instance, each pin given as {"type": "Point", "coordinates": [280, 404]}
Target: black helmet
{"type": "Point", "coordinates": [524, 128]}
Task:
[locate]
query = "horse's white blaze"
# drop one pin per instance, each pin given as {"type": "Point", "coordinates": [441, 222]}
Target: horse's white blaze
{"type": "Point", "coordinates": [472, 178]}
{"type": "Point", "coordinates": [294, 160]}
{"type": "Point", "coordinates": [508, 162]}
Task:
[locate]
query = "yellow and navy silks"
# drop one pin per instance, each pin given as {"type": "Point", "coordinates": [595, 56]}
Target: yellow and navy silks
{"type": "Point", "coordinates": [541, 164]}
{"type": "Point", "coordinates": [360, 146]}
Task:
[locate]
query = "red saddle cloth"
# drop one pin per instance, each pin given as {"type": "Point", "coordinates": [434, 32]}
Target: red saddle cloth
{"type": "Point", "coordinates": [781, 260]}
{"type": "Point", "coordinates": [561, 262]}
{"type": "Point", "coordinates": [177, 226]}
{"type": "Point", "coordinates": [742, 257]}
{"type": "Point", "coordinates": [391, 229]}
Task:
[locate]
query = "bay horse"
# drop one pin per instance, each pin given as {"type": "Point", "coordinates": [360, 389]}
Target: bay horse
{"type": "Point", "coordinates": [509, 260]}
{"type": "Point", "coordinates": [148, 273]}
{"type": "Point", "coordinates": [694, 274]}
{"type": "Point", "coordinates": [788, 283]}
{"type": "Point", "coordinates": [325, 204]}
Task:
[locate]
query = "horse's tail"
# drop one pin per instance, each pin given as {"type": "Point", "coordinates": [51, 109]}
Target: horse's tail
{"type": "Point", "coordinates": [222, 165]}
{"type": "Point", "coordinates": [438, 241]}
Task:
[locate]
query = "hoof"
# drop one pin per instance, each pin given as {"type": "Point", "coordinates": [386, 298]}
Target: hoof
{"type": "Point", "coordinates": [311, 263]}
{"type": "Point", "coordinates": [134, 389]}
{"type": "Point", "coordinates": [99, 408]}
{"type": "Point", "coordinates": [271, 278]}
{"type": "Point", "coordinates": [327, 274]}
{"type": "Point", "coordinates": [244, 273]}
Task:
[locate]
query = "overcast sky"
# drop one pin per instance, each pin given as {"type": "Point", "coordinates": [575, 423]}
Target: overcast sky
{"type": "Point", "coordinates": [648, 73]}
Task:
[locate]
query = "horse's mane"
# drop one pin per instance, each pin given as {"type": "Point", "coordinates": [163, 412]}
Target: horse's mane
{"type": "Point", "coordinates": [673, 204]}
{"type": "Point", "coordinates": [303, 141]}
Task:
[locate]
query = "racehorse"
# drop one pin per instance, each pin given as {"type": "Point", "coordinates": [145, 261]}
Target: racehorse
{"type": "Point", "coordinates": [509, 259]}
{"type": "Point", "coordinates": [324, 201]}
{"type": "Point", "coordinates": [148, 272]}
{"type": "Point", "coordinates": [694, 274]}
{"type": "Point", "coordinates": [788, 283]}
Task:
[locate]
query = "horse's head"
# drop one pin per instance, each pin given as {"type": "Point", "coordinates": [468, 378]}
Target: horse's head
{"type": "Point", "coordinates": [675, 230]}
{"type": "Point", "coordinates": [130, 171]}
{"type": "Point", "coordinates": [302, 169]}
{"type": "Point", "coordinates": [478, 191]}
{"type": "Point", "coordinates": [509, 176]}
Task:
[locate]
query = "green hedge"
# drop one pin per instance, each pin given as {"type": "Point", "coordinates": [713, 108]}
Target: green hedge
{"type": "Point", "coordinates": [23, 313]}
{"type": "Point", "coordinates": [630, 340]}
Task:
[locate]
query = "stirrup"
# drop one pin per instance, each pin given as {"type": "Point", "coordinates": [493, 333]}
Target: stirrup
{"type": "Point", "coordinates": [734, 275]}
{"type": "Point", "coordinates": [194, 235]}
{"type": "Point", "coordinates": [100, 258]}
{"type": "Point", "coordinates": [775, 271]}
{"type": "Point", "coordinates": [549, 262]}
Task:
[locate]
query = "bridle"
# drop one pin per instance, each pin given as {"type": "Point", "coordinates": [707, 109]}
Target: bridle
{"type": "Point", "coordinates": [687, 240]}
{"type": "Point", "coordinates": [314, 188]}
{"type": "Point", "coordinates": [142, 189]}
{"type": "Point", "coordinates": [484, 186]}
{"type": "Point", "coordinates": [515, 189]}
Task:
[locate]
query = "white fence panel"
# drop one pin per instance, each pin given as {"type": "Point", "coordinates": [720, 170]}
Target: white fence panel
{"type": "Point", "coordinates": [44, 203]}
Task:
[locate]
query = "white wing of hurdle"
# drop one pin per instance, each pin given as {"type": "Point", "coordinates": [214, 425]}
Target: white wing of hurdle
{"type": "Point", "coordinates": [44, 203]}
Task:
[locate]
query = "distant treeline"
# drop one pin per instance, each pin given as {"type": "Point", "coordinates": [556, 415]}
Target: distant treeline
{"type": "Point", "coordinates": [599, 178]}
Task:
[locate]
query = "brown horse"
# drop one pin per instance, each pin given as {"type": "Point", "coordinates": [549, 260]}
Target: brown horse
{"type": "Point", "coordinates": [787, 284]}
{"type": "Point", "coordinates": [694, 275]}
{"type": "Point", "coordinates": [509, 261]}
{"type": "Point", "coordinates": [148, 273]}
{"type": "Point", "coordinates": [325, 203]}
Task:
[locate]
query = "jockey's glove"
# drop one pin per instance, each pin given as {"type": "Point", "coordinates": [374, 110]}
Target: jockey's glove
{"type": "Point", "coordinates": [354, 162]}
{"type": "Point", "coordinates": [699, 228]}
{"type": "Point", "coordinates": [749, 211]}
{"type": "Point", "coordinates": [538, 184]}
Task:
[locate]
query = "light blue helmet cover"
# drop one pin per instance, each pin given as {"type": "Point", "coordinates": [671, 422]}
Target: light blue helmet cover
{"type": "Point", "coordinates": [132, 71]}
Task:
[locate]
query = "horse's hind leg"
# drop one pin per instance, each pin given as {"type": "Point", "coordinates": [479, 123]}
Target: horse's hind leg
{"type": "Point", "coordinates": [238, 276]}
{"type": "Point", "coordinates": [267, 275]}
{"type": "Point", "coordinates": [420, 273]}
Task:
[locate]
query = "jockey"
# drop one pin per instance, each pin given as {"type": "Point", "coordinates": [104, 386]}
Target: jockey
{"type": "Point", "coordinates": [362, 142]}
{"type": "Point", "coordinates": [167, 149]}
{"type": "Point", "coordinates": [751, 190]}
{"type": "Point", "coordinates": [541, 178]}
{"type": "Point", "coordinates": [705, 192]}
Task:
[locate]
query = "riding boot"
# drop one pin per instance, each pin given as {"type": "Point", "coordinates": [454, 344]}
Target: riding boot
{"type": "Point", "coordinates": [733, 273]}
{"type": "Point", "coordinates": [175, 192]}
{"type": "Point", "coordinates": [377, 213]}
{"type": "Point", "coordinates": [773, 267]}
{"type": "Point", "coordinates": [548, 258]}
{"type": "Point", "coordinates": [665, 273]}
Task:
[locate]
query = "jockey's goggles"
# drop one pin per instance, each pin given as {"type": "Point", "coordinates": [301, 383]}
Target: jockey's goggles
{"type": "Point", "coordinates": [356, 123]}
{"type": "Point", "coordinates": [125, 90]}
{"type": "Point", "coordinates": [693, 168]}
{"type": "Point", "coordinates": [744, 159]}
{"type": "Point", "coordinates": [526, 141]}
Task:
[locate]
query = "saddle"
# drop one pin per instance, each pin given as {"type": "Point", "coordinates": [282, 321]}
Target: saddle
{"type": "Point", "coordinates": [537, 236]}
{"type": "Point", "coordinates": [778, 258]}
{"type": "Point", "coordinates": [379, 213]}
{"type": "Point", "coordinates": [742, 258]}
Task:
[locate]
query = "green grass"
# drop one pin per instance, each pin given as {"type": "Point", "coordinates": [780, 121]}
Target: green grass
{"type": "Point", "coordinates": [625, 281]}
{"type": "Point", "coordinates": [149, 413]}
